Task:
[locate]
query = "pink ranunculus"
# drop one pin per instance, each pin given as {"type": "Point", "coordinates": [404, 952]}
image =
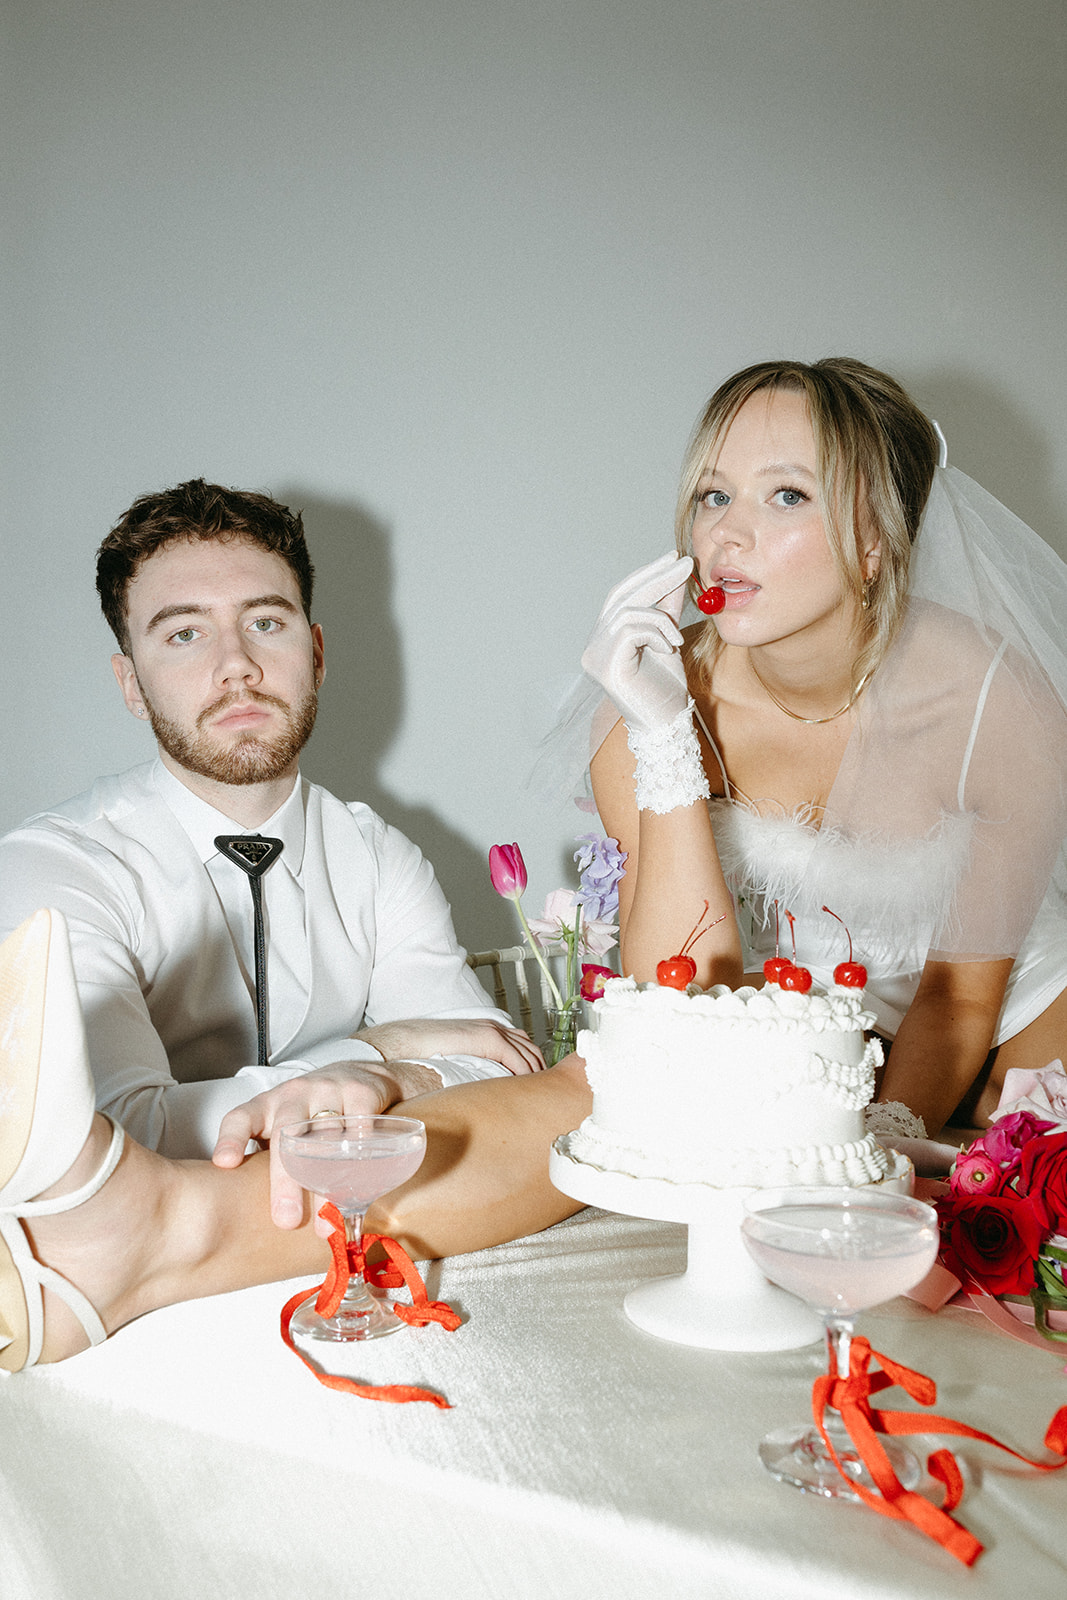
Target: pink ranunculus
{"type": "Point", "coordinates": [507, 870]}
{"type": "Point", "coordinates": [1005, 1137]}
{"type": "Point", "coordinates": [593, 980]}
{"type": "Point", "coordinates": [975, 1171]}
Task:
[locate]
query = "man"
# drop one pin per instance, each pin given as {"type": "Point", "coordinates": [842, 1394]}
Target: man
{"type": "Point", "coordinates": [365, 1000]}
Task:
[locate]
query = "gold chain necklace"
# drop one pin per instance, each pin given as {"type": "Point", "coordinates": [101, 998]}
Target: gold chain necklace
{"type": "Point", "coordinates": [812, 722]}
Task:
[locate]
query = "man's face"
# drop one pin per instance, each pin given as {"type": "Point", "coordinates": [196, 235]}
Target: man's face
{"type": "Point", "coordinates": [223, 661]}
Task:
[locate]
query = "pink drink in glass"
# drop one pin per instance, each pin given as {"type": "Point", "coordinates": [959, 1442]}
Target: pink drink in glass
{"type": "Point", "coordinates": [352, 1161]}
{"type": "Point", "coordinates": [831, 1273]}
{"type": "Point", "coordinates": [353, 1180]}
{"type": "Point", "coordinates": [841, 1251]}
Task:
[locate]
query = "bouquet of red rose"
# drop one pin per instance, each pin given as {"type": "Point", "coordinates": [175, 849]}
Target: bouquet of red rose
{"type": "Point", "coordinates": [1004, 1219]}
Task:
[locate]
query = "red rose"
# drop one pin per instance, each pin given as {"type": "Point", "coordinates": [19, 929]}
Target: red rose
{"type": "Point", "coordinates": [593, 980]}
{"type": "Point", "coordinates": [993, 1239]}
{"type": "Point", "coordinates": [1042, 1173]}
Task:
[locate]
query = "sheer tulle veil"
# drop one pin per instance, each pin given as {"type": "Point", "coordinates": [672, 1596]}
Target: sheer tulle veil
{"type": "Point", "coordinates": [960, 741]}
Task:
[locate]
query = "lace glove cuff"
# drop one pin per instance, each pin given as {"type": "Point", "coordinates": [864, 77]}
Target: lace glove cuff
{"type": "Point", "coordinates": [889, 1119]}
{"type": "Point", "coordinates": [669, 769]}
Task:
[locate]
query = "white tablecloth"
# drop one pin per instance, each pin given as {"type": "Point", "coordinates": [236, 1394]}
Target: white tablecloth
{"type": "Point", "coordinates": [582, 1458]}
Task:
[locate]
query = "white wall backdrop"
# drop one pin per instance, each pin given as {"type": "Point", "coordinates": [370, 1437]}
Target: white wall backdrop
{"type": "Point", "coordinates": [456, 279]}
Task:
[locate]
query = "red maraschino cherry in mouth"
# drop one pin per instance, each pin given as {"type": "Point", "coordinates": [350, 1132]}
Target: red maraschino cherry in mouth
{"type": "Point", "coordinates": [849, 974]}
{"type": "Point", "coordinates": [678, 972]}
{"type": "Point", "coordinates": [711, 601]}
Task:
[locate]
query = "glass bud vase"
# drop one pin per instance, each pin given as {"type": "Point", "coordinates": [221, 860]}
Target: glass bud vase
{"type": "Point", "coordinates": [562, 1025]}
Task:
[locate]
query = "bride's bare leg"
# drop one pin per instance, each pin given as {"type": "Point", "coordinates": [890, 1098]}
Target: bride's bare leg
{"type": "Point", "coordinates": [485, 1175]}
{"type": "Point", "coordinates": [1044, 1040]}
{"type": "Point", "coordinates": [163, 1231]}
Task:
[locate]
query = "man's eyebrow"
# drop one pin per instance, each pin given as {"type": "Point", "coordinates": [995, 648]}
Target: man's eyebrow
{"type": "Point", "coordinates": [277, 602]}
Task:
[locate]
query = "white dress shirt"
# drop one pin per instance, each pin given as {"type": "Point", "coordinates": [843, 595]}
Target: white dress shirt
{"type": "Point", "coordinates": [359, 933]}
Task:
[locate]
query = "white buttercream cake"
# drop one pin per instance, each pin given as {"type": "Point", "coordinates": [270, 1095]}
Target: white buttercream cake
{"type": "Point", "coordinates": [730, 1088]}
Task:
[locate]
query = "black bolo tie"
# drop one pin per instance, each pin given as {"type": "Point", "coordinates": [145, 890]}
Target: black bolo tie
{"type": "Point", "coordinates": [254, 854]}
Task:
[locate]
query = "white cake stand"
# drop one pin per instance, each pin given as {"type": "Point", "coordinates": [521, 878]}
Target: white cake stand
{"type": "Point", "coordinates": [722, 1301]}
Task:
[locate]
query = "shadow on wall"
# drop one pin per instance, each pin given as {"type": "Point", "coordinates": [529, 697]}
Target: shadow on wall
{"type": "Point", "coordinates": [998, 446]}
{"type": "Point", "coordinates": [362, 704]}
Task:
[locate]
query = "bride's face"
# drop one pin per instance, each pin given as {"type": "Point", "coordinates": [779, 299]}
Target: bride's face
{"type": "Point", "coordinates": [759, 532]}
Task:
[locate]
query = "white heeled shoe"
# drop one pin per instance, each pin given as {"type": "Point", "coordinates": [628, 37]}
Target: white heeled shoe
{"type": "Point", "coordinates": [46, 1112]}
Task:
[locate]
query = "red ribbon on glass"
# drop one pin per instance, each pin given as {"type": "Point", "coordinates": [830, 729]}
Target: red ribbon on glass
{"type": "Point", "coordinates": [851, 1398]}
{"type": "Point", "coordinates": [389, 1274]}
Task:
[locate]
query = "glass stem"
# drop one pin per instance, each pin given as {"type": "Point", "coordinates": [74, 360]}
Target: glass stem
{"type": "Point", "coordinates": [353, 1234]}
{"type": "Point", "coordinates": [838, 1345]}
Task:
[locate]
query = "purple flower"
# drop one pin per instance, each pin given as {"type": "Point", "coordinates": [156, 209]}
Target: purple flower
{"type": "Point", "coordinates": [600, 864]}
{"type": "Point", "coordinates": [507, 870]}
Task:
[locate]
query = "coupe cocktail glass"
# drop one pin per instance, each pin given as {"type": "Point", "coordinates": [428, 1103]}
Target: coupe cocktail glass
{"type": "Point", "coordinates": [842, 1251]}
{"type": "Point", "coordinates": [351, 1161]}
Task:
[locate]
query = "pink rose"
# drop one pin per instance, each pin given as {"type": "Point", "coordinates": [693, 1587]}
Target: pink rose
{"type": "Point", "coordinates": [1005, 1137]}
{"type": "Point", "coordinates": [1043, 1092]}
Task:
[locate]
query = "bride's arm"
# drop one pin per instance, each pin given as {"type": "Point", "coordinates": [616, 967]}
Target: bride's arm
{"type": "Point", "coordinates": [672, 867]}
{"type": "Point", "coordinates": [945, 1037]}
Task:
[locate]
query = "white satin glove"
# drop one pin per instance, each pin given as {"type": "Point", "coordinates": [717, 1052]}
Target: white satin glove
{"type": "Point", "coordinates": [634, 651]}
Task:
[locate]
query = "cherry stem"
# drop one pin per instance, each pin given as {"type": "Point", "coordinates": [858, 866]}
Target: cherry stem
{"type": "Point", "coordinates": [699, 932]}
{"type": "Point", "coordinates": [789, 917]}
{"type": "Point", "coordinates": [776, 950]}
{"type": "Point", "coordinates": [844, 924]}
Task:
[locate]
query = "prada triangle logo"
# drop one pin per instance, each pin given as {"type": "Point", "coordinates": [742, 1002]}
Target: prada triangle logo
{"type": "Point", "coordinates": [249, 851]}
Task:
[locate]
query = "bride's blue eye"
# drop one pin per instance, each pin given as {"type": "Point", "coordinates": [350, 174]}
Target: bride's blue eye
{"type": "Point", "coordinates": [792, 497]}
{"type": "Point", "coordinates": [714, 499]}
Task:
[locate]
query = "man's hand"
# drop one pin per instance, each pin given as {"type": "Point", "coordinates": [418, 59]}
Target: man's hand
{"type": "Point", "coordinates": [419, 1037]}
{"type": "Point", "coordinates": [356, 1088]}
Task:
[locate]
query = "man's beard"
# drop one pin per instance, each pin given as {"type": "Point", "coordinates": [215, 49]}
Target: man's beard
{"type": "Point", "coordinates": [249, 758]}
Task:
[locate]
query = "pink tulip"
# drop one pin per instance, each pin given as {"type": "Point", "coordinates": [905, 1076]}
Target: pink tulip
{"type": "Point", "coordinates": [507, 870]}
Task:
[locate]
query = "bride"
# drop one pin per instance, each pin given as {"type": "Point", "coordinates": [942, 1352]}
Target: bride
{"type": "Point", "coordinates": [871, 719]}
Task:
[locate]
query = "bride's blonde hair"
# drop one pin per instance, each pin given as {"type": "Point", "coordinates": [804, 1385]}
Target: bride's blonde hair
{"type": "Point", "coordinates": [875, 459]}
